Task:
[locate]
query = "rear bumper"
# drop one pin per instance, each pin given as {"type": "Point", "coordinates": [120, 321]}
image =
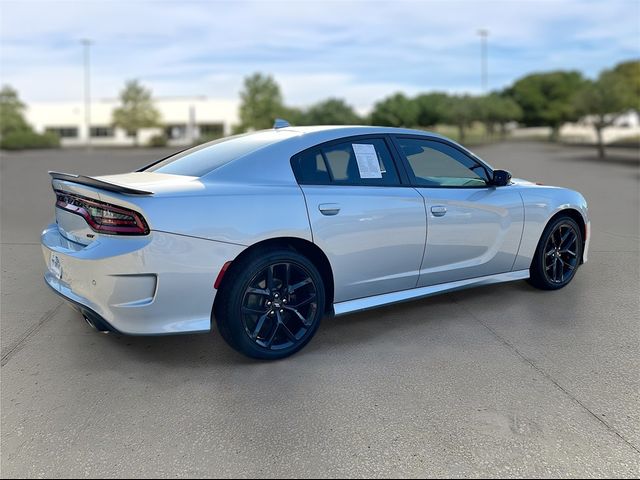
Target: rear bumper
{"type": "Point", "coordinates": [93, 318]}
{"type": "Point", "coordinates": [157, 284]}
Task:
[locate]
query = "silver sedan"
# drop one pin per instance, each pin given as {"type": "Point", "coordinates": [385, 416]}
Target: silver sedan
{"type": "Point", "coordinates": [267, 232]}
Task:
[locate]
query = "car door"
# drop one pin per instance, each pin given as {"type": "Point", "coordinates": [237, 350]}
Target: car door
{"type": "Point", "coordinates": [473, 228]}
{"type": "Point", "coordinates": [371, 227]}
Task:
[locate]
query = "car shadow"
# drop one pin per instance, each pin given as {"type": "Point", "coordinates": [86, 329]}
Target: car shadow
{"type": "Point", "coordinates": [353, 330]}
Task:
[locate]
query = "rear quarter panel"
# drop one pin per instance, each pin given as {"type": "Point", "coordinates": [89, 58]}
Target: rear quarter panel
{"type": "Point", "coordinates": [242, 214]}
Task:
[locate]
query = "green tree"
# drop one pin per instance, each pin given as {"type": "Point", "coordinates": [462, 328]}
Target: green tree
{"type": "Point", "coordinates": [546, 99]}
{"type": "Point", "coordinates": [395, 111]}
{"type": "Point", "coordinates": [332, 111]}
{"type": "Point", "coordinates": [137, 110]}
{"type": "Point", "coordinates": [431, 108]}
{"type": "Point", "coordinates": [603, 100]}
{"type": "Point", "coordinates": [260, 102]}
{"type": "Point", "coordinates": [629, 73]}
{"type": "Point", "coordinates": [11, 112]}
{"type": "Point", "coordinates": [497, 110]}
{"type": "Point", "coordinates": [295, 116]}
{"type": "Point", "coordinates": [461, 111]}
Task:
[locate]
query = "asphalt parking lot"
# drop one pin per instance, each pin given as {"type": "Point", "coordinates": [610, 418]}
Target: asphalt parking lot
{"type": "Point", "coordinates": [498, 381]}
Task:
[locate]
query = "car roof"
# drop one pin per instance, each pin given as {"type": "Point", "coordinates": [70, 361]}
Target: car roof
{"type": "Point", "coordinates": [350, 130]}
{"type": "Point", "coordinates": [270, 164]}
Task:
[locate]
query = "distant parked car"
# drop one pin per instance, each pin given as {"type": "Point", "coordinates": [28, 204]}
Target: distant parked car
{"type": "Point", "coordinates": [267, 232]}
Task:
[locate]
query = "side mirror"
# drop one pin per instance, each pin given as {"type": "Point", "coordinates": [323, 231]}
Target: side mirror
{"type": "Point", "coordinates": [501, 178]}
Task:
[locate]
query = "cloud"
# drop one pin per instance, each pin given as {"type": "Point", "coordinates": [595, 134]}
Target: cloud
{"type": "Point", "coordinates": [360, 51]}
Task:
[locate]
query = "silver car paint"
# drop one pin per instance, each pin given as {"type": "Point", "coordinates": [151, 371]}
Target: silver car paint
{"type": "Point", "coordinates": [472, 232]}
{"type": "Point", "coordinates": [199, 224]}
{"type": "Point", "coordinates": [366, 303]}
{"type": "Point", "coordinates": [161, 283]}
{"type": "Point", "coordinates": [541, 204]}
{"type": "Point", "coordinates": [375, 241]}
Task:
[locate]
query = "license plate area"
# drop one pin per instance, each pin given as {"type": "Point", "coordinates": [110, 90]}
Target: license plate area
{"type": "Point", "coordinates": [55, 266]}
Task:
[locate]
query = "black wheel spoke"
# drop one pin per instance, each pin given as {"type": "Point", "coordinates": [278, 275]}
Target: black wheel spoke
{"type": "Point", "coordinates": [272, 337]}
{"type": "Point", "coordinates": [307, 300]}
{"type": "Point", "coordinates": [270, 284]}
{"type": "Point", "coordinates": [259, 326]}
{"type": "Point", "coordinates": [259, 291]}
{"type": "Point", "coordinates": [561, 277]}
{"type": "Point", "coordinates": [568, 241]}
{"type": "Point", "coordinates": [285, 329]}
{"type": "Point", "coordinates": [254, 311]}
{"type": "Point", "coordinates": [298, 315]}
{"type": "Point", "coordinates": [298, 285]}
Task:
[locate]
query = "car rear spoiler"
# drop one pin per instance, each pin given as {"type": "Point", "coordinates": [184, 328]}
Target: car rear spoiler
{"type": "Point", "coordinates": [94, 182]}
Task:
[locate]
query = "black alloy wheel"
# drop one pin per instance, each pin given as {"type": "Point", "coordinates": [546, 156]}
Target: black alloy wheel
{"type": "Point", "coordinates": [561, 254]}
{"type": "Point", "coordinates": [270, 303]}
{"type": "Point", "coordinates": [558, 255]}
{"type": "Point", "coordinates": [279, 305]}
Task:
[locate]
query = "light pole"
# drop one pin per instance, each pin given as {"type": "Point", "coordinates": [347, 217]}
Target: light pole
{"type": "Point", "coordinates": [86, 44]}
{"type": "Point", "coordinates": [484, 33]}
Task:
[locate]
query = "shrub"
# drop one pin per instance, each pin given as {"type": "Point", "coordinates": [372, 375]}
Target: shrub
{"type": "Point", "coordinates": [159, 140]}
{"type": "Point", "coordinates": [26, 139]}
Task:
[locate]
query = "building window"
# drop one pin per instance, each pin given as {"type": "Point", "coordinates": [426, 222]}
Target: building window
{"type": "Point", "coordinates": [101, 132]}
{"type": "Point", "coordinates": [174, 132]}
{"type": "Point", "coordinates": [64, 132]}
{"type": "Point", "coordinates": [211, 130]}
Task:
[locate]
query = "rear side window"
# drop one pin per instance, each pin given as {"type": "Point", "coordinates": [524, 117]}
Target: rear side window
{"type": "Point", "coordinates": [200, 160]}
{"type": "Point", "coordinates": [358, 162]}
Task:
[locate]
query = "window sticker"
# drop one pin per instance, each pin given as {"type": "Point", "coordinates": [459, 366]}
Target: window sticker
{"type": "Point", "coordinates": [367, 158]}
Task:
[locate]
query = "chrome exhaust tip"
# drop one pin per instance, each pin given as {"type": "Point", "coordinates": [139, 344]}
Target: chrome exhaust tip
{"type": "Point", "coordinates": [89, 322]}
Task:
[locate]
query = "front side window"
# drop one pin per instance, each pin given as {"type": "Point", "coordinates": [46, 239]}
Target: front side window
{"type": "Point", "coordinates": [358, 162]}
{"type": "Point", "coordinates": [435, 164]}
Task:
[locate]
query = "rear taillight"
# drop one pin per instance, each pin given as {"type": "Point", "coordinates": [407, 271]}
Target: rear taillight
{"type": "Point", "coordinates": [103, 217]}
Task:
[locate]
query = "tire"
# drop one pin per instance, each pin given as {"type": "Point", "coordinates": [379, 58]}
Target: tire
{"type": "Point", "coordinates": [558, 254]}
{"type": "Point", "coordinates": [270, 304]}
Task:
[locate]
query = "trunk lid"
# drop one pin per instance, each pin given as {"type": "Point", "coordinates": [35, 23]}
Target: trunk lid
{"type": "Point", "coordinates": [79, 200]}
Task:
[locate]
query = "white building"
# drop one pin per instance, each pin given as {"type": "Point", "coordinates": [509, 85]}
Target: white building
{"type": "Point", "coordinates": [184, 120]}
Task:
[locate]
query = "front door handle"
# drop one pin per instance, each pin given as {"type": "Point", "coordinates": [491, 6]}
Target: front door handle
{"type": "Point", "coordinates": [438, 211]}
{"type": "Point", "coordinates": [329, 208]}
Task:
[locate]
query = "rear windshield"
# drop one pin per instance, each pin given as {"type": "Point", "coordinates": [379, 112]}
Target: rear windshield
{"type": "Point", "coordinates": [200, 160]}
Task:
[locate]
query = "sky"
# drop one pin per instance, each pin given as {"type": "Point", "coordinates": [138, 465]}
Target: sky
{"type": "Point", "coordinates": [360, 51]}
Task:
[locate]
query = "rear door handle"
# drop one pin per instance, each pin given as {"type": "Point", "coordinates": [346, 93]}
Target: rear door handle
{"type": "Point", "coordinates": [438, 211]}
{"type": "Point", "coordinates": [329, 208]}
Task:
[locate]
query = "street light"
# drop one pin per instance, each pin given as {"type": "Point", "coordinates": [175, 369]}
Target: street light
{"type": "Point", "coordinates": [86, 44]}
{"type": "Point", "coordinates": [484, 33]}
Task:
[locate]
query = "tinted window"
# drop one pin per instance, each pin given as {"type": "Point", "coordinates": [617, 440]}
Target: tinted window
{"type": "Point", "coordinates": [310, 168]}
{"type": "Point", "coordinates": [200, 160]}
{"type": "Point", "coordinates": [436, 164]}
{"type": "Point", "coordinates": [338, 164]}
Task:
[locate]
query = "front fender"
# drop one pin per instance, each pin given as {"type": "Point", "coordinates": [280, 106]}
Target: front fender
{"type": "Point", "coordinates": [541, 203]}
